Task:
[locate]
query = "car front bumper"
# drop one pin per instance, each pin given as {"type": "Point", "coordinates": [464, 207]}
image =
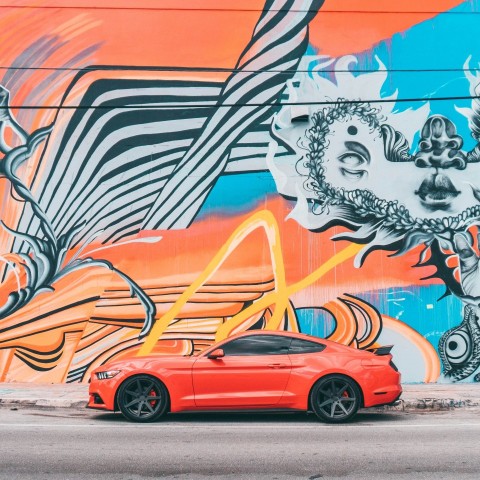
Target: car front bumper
{"type": "Point", "coordinates": [102, 392]}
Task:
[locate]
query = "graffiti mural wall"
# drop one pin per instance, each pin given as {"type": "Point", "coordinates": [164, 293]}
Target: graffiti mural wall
{"type": "Point", "coordinates": [173, 173]}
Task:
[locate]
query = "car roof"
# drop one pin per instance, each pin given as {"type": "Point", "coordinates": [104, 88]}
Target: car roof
{"type": "Point", "coordinates": [284, 333]}
{"type": "Point", "coordinates": [279, 333]}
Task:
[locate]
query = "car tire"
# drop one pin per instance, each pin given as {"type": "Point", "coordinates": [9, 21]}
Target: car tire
{"type": "Point", "coordinates": [142, 398]}
{"type": "Point", "coordinates": [335, 399]}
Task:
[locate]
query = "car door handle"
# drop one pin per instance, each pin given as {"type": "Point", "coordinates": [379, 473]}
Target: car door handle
{"type": "Point", "coordinates": [277, 365]}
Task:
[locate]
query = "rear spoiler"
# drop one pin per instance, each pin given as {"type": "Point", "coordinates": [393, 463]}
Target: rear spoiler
{"type": "Point", "coordinates": [384, 350]}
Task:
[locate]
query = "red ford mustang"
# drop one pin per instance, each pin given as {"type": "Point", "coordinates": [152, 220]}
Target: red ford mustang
{"type": "Point", "coordinates": [255, 370]}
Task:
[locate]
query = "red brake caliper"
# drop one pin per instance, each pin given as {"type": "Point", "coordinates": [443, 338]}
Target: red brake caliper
{"type": "Point", "coordinates": [152, 393]}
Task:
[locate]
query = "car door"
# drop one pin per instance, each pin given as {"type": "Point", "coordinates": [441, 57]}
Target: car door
{"type": "Point", "coordinates": [253, 372]}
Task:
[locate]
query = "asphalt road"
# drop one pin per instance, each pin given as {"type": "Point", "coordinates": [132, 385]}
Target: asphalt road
{"type": "Point", "coordinates": [79, 444]}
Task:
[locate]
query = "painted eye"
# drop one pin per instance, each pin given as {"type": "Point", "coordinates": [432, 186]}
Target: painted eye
{"type": "Point", "coordinates": [458, 347]}
{"type": "Point", "coordinates": [353, 175]}
{"type": "Point", "coordinates": [351, 159]}
{"type": "Point", "coordinates": [350, 166]}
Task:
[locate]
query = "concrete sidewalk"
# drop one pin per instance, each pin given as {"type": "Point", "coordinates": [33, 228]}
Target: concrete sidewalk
{"type": "Point", "coordinates": [418, 397]}
{"type": "Point", "coordinates": [70, 395]}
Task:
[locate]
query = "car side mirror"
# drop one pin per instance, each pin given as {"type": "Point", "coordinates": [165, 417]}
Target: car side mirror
{"type": "Point", "coordinates": [217, 353]}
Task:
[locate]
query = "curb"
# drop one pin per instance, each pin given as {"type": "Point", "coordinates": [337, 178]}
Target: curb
{"type": "Point", "coordinates": [419, 398]}
{"type": "Point", "coordinates": [408, 405]}
{"type": "Point", "coordinates": [432, 405]}
{"type": "Point", "coordinates": [42, 403]}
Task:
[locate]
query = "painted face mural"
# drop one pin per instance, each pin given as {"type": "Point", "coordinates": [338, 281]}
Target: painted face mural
{"type": "Point", "coordinates": [147, 195]}
{"type": "Point", "coordinates": [354, 167]}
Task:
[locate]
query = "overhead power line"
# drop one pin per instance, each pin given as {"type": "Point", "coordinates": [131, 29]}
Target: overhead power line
{"type": "Point", "coordinates": [251, 10]}
{"type": "Point", "coordinates": [236, 105]}
{"type": "Point", "coordinates": [236, 70]}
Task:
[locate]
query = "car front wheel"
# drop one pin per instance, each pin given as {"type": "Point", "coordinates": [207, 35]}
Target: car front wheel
{"type": "Point", "coordinates": [335, 399]}
{"type": "Point", "coordinates": [142, 398]}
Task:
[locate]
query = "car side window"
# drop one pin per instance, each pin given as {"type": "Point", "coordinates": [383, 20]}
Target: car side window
{"type": "Point", "coordinates": [257, 345]}
{"type": "Point", "coordinates": [305, 346]}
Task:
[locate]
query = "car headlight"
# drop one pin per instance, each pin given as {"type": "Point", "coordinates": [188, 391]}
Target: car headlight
{"type": "Point", "coordinates": [107, 374]}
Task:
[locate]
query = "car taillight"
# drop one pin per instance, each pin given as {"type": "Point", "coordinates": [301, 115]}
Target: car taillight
{"type": "Point", "coordinates": [393, 366]}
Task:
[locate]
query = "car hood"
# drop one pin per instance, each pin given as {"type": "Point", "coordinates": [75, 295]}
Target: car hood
{"type": "Point", "coordinates": [146, 362]}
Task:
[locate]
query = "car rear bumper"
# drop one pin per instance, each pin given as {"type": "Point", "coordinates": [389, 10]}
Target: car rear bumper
{"type": "Point", "coordinates": [383, 387]}
{"type": "Point", "coordinates": [386, 395]}
{"type": "Point", "coordinates": [393, 403]}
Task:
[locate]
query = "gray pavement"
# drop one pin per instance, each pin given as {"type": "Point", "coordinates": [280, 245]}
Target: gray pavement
{"type": "Point", "coordinates": [415, 397]}
{"type": "Point", "coordinates": [66, 444]}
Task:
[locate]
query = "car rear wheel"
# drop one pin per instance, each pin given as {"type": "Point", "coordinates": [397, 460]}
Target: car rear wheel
{"type": "Point", "coordinates": [335, 399]}
{"type": "Point", "coordinates": [142, 398]}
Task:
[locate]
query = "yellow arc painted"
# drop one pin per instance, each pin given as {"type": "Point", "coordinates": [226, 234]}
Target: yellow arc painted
{"type": "Point", "coordinates": [280, 296]}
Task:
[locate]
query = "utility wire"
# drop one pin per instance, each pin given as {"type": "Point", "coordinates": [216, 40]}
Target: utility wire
{"type": "Point", "coordinates": [250, 10]}
{"type": "Point", "coordinates": [236, 70]}
{"type": "Point", "coordinates": [231, 105]}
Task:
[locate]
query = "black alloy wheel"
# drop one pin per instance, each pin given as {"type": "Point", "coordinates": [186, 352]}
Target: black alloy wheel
{"type": "Point", "coordinates": [335, 399]}
{"type": "Point", "coordinates": [142, 398]}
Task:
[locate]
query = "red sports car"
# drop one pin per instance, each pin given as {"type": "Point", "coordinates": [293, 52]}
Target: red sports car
{"type": "Point", "coordinates": [254, 370]}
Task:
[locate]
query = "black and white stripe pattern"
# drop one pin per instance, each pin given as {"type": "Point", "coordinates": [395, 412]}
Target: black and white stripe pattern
{"type": "Point", "coordinates": [108, 164]}
{"type": "Point", "coordinates": [278, 43]}
{"type": "Point", "coordinates": [145, 153]}
{"type": "Point", "coordinates": [109, 160]}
